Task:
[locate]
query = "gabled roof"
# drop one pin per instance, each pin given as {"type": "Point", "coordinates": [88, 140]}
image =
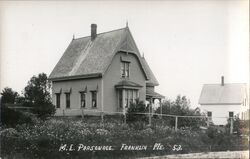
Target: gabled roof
{"type": "Point", "coordinates": [152, 80]}
{"type": "Point", "coordinates": [85, 58]}
{"type": "Point", "coordinates": [232, 93]}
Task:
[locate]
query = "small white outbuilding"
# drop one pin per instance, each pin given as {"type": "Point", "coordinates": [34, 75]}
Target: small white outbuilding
{"type": "Point", "coordinates": [224, 100]}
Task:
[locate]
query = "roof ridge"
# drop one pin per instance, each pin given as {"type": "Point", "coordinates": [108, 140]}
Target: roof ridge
{"type": "Point", "coordinates": [220, 83]}
{"type": "Point", "coordinates": [99, 33]}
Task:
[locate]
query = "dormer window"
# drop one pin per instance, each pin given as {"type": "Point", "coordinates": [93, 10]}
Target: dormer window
{"type": "Point", "coordinates": [125, 69]}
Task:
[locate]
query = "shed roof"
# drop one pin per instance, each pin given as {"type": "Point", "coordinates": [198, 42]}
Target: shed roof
{"type": "Point", "coordinates": [232, 93]}
{"type": "Point", "coordinates": [86, 58]}
{"type": "Point", "coordinates": [127, 83]}
{"type": "Point", "coordinates": [153, 94]}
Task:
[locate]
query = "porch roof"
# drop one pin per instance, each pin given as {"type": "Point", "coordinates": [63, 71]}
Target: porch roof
{"type": "Point", "coordinates": [153, 94]}
{"type": "Point", "coordinates": [128, 84]}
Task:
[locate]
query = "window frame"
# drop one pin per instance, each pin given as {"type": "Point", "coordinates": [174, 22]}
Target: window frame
{"type": "Point", "coordinates": [92, 99]}
{"type": "Point", "coordinates": [58, 100]}
{"type": "Point", "coordinates": [125, 69]}
{"type": "Point", "coordinates": [67, 100]}
{"type": "Point", "coordinates": [230, 113]}
{"type": "Point", "coordinates": [211, 114]}
{"type": "Point", "coordinates": [129, 97]}
{"type": "Point", "coordinates": [81, 99]}
{"type": "Point", "coordinates": [120, 97]}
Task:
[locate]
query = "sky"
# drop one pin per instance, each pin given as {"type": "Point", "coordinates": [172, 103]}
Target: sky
{"type": "Point", "coordinates": [186, 43]}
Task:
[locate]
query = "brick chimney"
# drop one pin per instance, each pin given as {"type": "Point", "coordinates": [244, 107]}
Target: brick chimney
{"type": "Point", "coordinates": [222, 80]}
{"type": "Point", "coordinates": [93, 31]}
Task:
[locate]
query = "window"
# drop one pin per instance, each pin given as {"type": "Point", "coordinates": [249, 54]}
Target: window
{"type": "Point", "coordinates": [126, 99]}
{"type": "Point", "coordinates": [83, 99]}
{"type": "Point", "coordinates": [94, 101]}
{"type": "Point", "coordinates": [120, 98]}
{"type": "Point", "coordinates": [130, 96]}
{"type": "Point", "coordinates": [67, 100]}
{"type": "Point", "coordinates": [58, 100]}
{"type": "Point", "coordinates": [209, 114]}
{"type": "Point", "coordinates": [231, 114]}
{"type": "Point", "coordinates": [125, 69]}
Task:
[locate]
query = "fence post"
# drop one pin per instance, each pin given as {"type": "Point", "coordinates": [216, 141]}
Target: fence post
{"type": "Point", "coordinates": [124, 115]}
{"type": "Point", "coordinates": [63, 113]}
{"type": "Point", "coordinates": [176, 123]}
{"type": "Point", "coordinates": [231, 125]}
{"type": "Point", "coordinates": [82, 114]}
{"type": "Point", "coordinates": [102, 117]}
{"type": "Point", "coordinates": [125, 119]}
{"type": "Point", "coordinates": [161, 109]}
{"type": "Point", "coordinates": [149, 115]}
{"type": "Point", "coordinates": [208, 120]}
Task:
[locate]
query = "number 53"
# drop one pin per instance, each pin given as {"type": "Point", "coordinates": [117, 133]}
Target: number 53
{"type": "Point", "coordinates": [177, 148]}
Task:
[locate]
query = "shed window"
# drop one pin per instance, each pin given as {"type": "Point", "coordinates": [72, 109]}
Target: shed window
{"type": "Point", "coordinates": [67, 100]}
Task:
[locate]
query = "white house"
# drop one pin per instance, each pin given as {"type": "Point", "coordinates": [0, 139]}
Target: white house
{"type": "Point", "coordinates": [224, 100]}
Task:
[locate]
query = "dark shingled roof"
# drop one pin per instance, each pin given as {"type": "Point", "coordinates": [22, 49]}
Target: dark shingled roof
{"type": "Point", "coordinates": [232, 93]}
{"type": "Point", "coordinates": [128, 83]}
{"type": "Point", "coordinates": [85, 58]}
{"type": "Point", "coordinates": [153, 94]}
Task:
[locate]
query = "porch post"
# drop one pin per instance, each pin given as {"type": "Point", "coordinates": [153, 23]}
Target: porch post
{"type": "Point", "coordinates": [149, 108]}
{"type": "Point", "coordinates": [176, 123]}
{"type": "Point", "coordinates": [123, 105]}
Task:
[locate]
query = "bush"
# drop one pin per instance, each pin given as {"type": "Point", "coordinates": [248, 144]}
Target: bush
{"type": "Point", "coordinates": [44, 109]}
{"type": "Point", "coordinates": [138, 107]}
{"type": "Point", "coordinates": [44, 139]}
{"type": "Point", "coordinates": [240, 127]}
{"type": "Point", "coordinates": [181, 107]}
{"type": "Point", "coordinates": [11, 118]}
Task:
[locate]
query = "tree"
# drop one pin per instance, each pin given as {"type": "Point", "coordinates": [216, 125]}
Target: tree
{"type": "Point", "coordinates": [8, 96]}
{"type": "Point", "coordinates": [181, 107]}
{"type": "Point", "coordinates": [37, 95]}
{"type": "Point", "coordinates": [240, 127]}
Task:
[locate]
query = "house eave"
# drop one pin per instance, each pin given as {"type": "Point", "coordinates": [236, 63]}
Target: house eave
{"type": "Point", "coordinates": [127, 87]}
{"type": "Point", "coordinates": [152, 84]}
{"type": "Point", "coordinates": [66, 78]}
{"type": "Point", "coordinates": [220, 104]}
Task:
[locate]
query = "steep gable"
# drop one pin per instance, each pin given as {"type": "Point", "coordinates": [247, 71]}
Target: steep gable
{"type": "Point", "coordinates": [91, 58]}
